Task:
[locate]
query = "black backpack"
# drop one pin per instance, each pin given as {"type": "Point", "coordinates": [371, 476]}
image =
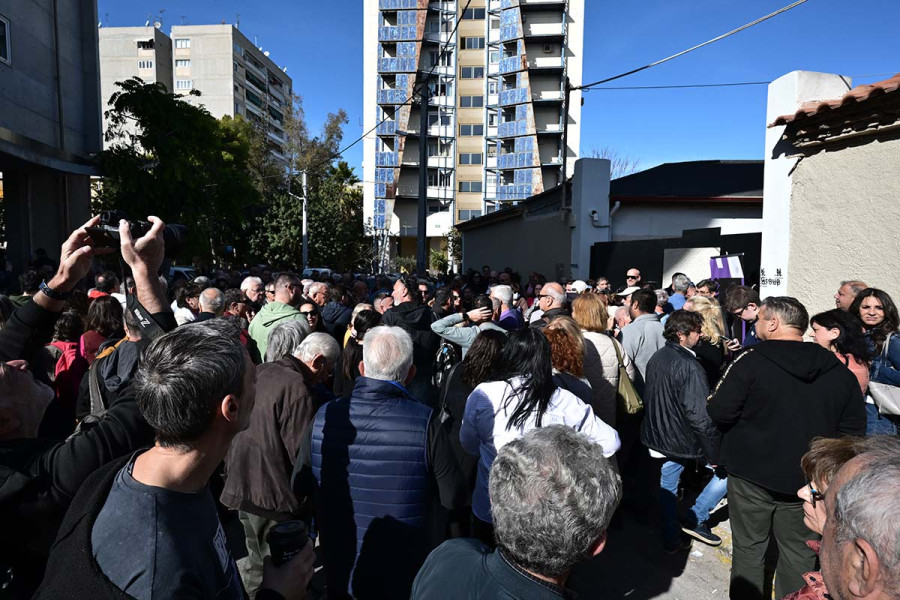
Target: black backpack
{"type": "Point", "coordinates": [446, 358]}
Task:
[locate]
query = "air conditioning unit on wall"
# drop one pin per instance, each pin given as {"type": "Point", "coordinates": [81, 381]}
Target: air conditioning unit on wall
{"type": "Point", "coordinates": [548, 48]}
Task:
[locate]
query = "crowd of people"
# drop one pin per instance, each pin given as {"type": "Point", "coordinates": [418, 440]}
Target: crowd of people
{"type": "Point", "coordinates": [457, 436]}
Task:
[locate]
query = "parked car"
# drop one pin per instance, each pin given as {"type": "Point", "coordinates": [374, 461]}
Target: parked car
{"type": "Point", "coordinates": [185, 272]}
{"type": "Point", "coordinates": [307, 273]}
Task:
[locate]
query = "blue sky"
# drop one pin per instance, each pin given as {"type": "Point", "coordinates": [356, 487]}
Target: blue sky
{"type": "Point", "coordinates": [320, 42]}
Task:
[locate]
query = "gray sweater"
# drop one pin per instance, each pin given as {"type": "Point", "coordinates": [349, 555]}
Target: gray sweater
{"type": "Point", "coordinates": [464, 336]}
{"type": "Point", "coordinates": [641, 339]}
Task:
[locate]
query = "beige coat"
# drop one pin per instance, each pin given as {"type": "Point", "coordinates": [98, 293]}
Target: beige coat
{"type": "Point", "coordinates": [601, 369]}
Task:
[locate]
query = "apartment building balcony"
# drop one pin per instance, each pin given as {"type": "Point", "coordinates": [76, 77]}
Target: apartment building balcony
{"type": "Point", "coordinates": [434, 37]}
{"type": "Point", "coordinates": [402, 64]}
{"type": "Point", "coordinates": [513, 96]}
{"type": "Point", "coordinates": [512, 64]}
{"type": "Point", "coordinates": [444, 70]}
{"type": "Point", "coordinates": [387, 159]}
{"type": "Point", "coordinates": [386, 128]}
{"type": "Point", "coordinates": [432, 192]}
{"type": "Point", "coordinates": [439, 131]}
{"type": "Point", "coordinates": [514, 192]}
{"type": "Point", "coordinates": [515, 160]}
{"type": "Point", "coordinates": [553, 161]}
{"type": "Point", "coordinates": [550, 129]}
{"type": "Point", "coordinates": [397, 33]}
{"type": "Point", "coordinates": [541, 5]}
{"type": "Point", "coordinates": [544, 31]}
{"type": "Point", "coordinates": [392, 96]}
{"type": "Point", "coordinates": [548, 97]}
{"type": "Point", "coordinates": [397, 4]}
{"type": "Point", "coordinates": [546, 63]}
{"type": "Point", "coordinates": [513, 129]}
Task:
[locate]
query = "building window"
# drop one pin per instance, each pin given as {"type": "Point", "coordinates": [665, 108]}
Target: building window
{"type": "Point", "coordinates": [494, 57]}
{"type": "Point", "coordinates": [492, 87]}
{"type": "Point", "coordinates": [183, 62]}
{"type": "Point", "coordinates": [145, 45]}
{"type": "Point", "coordinates": [473, 14]}
{"type": "Point", "coordinates": [182, 42]}
{"type": "Point", "coordinates": [472, 73]}
{"type": "Point", "coordinates": [495, 23]}
{"type": "Point", "coordinates": [473, 158]}
{"type": "Point", "coordinates": [492, 119]}
{"type": "Point", "coordinates": [237, 108]}
{"type": "Point", "coordinates": [4, 41]}
{"type": "Point", "coordinates": [470, 186]}
{"type": "Point", "coordinates": [465, 215]}
{"type": "Point", "coordinates": [435, 118]}
{"type": "Point", "coordinates": [439, 178]}
{"type": "Point", "coordinates": [238, 49]}
{"type": "Point", "coordinates": [471, 129]}
{"type": "Point", "coordinates": [471, 101]}
{"type": "Point", "coordinates": [184, 84]}
{"type": "Point", "coordinates": [145, 64]}
{"type": "Point", "coordinates": [473, 43]}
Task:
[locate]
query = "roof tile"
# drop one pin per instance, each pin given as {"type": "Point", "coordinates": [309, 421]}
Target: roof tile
{"type": "Point", "coordinates": [859, 94]}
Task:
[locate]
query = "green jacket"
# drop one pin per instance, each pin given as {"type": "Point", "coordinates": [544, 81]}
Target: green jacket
{"type": "Point", "coordinates": [268, 318]}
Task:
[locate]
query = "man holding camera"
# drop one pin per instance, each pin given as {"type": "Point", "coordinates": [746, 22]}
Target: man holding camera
{"type": "Point", "coordinates": [146, 525]}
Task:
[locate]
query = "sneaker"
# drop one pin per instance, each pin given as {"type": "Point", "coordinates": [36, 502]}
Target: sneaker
{"type": "Point", "coordinates": [702, 533]}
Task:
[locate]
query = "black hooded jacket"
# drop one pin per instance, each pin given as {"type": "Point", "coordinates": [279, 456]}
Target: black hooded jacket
{"type": "Point", "coordinates": [416, 320]}
{"type": "Point", "coordinates": [773, 400]}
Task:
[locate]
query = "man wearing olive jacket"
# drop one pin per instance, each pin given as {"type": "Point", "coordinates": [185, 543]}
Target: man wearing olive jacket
{"type": "Point", "coordinates": [770, 403]}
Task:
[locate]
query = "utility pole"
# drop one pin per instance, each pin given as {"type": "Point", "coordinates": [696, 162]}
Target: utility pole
{"type": "Point", "coordinates": [565, 140]}
{"type": "Point", "coordinates": [305, 230]}
{"type": "Point", "coordinates": [421, 240]}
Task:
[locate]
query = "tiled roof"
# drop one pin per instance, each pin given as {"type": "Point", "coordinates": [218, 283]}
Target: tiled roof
{"type": "Point", "coordinates": [859, 94]}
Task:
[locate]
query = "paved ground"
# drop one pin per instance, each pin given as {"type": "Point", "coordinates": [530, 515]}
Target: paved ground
{"type": "Point", "coordinates": [634, 566]}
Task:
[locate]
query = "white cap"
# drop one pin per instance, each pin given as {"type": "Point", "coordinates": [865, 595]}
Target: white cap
{"type": "Point", "coordinates": [628, 291]}
{"type": "Point", "coordinates": [579, 286]}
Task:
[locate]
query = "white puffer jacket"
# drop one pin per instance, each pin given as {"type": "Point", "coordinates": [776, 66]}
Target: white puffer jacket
{"type": "Point", "coordinates": [601, 369]}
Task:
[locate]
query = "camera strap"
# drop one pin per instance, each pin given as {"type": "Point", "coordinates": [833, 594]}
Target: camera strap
{"type": "Point", "coordinates": [149, 328]}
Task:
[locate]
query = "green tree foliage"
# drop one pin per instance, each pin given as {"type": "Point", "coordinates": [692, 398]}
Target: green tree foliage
{"type": "Point", "coordinates": [171, 159]}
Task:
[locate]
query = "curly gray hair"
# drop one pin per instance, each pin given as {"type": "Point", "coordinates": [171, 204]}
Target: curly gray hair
{"type": "Point", "coordinates": [552, 497]}
{"type": "Point", "coordinates": [285, 339]}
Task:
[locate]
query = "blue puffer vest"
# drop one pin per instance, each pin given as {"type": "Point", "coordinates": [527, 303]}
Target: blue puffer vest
{"type": "Point", "coordinates": [370, 460]}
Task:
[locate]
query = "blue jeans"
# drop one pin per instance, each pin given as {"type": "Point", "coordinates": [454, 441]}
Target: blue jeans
{"type": "Point", "coordinates": [878, 424]}
{"type": "Point", "coordinates": [712, 494]}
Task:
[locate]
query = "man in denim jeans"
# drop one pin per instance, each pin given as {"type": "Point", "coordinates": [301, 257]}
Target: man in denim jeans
{"type": "Point", "coordinates": [677, 429]}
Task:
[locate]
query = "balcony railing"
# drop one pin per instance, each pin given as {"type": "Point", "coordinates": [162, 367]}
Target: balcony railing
{"type": "Point", "coordinates": [512, 129]}
{"type": "Point", "coordinates": [396, 33]}
{"type": "Point", "coordinates": [513, 96]}
{"type": "Point", "coordinates": [397, 96]}
{"type": "Point", "coordinates": [515, 160]}
{"type": "Point", "coordinates": [403, 64]}
{"type": "Point", "coordinates": [512, 64]}
{"type": "Point", "coordinates": [387, 159]}
{"type": "Point", "coordinates": [397, 4]}
{"type": "Point", "coordinates": [514, 192]}
{"type": "Point", "coordinates": [387, 128]}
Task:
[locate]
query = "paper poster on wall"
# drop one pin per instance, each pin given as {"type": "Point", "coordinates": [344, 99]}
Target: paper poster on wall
{"type": "Point", "coordinates": [693, 262]}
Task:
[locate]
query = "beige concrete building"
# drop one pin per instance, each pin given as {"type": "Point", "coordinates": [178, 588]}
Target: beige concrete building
{"type": "Point", "coordinates": [50, 124]}
{"type": "Point", "coordinates": [233, 76]}
{"type": "Point", "coordinates": [496, 71]}
{"type": "Point", "coordinates": [127, 52]}
{"type": "Point", "coordinates": [830, 210]}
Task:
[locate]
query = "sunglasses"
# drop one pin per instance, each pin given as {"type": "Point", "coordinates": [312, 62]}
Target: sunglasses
{"type": "Point", "coordinates": [631, 277]}
{"type": "Point", "coordinates": [814, 495]}
{"type": "Point", "coordinates": [308, 313]}
{"type": "Point", "coordinates": [270, 291]}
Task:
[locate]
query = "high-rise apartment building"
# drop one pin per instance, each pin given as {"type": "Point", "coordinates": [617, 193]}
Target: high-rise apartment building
{"type": "Point", "coordinates": [495, 110]}
{"type": "Point", "coordinates": [233, 76]}
{"type": "Point", "coordinates": [127, 52]}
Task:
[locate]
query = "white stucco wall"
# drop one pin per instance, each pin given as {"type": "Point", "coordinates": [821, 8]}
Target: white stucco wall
{"type": "Point", "coordinates": [638, 222]}
{"type": "Point", "coordinates": [539, 244]}
{"type": "Point", "coordinates": [844, 221]}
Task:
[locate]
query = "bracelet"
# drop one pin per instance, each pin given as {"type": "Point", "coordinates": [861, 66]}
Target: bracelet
{"type": "Point", "coordinates": [51, 293]}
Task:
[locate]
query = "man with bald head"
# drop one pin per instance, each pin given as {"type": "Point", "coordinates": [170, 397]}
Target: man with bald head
{"type": "Point", "coordinates": [551, 304]}
{"type": "Point", "coordinates": [212, 304]}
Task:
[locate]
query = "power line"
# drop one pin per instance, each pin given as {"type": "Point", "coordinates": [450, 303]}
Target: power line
{"type": "Point", "coordinates": [418, 85]}
{"type": "Point", "coordinates": [698, 46]}
{"type": "Point", "coordinates": [709, 85]}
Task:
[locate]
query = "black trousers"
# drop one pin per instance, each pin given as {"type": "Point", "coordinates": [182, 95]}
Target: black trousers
{"type": "Point", "coordinates": [754, 512]}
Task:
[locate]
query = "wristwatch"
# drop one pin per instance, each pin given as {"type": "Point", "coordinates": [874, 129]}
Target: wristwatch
{"type": "Point", "coordinates": [55, 294]}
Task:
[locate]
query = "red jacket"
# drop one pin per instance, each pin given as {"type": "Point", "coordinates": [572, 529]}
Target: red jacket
{"type": "Point", "coordinates": [70, 368]}
{"type": "Point", "coordinates": [815, 585]}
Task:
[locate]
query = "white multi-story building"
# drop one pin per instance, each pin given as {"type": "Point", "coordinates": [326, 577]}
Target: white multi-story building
{"type": "Point", "coordinates": [495, 113]}
{"type": "Point", "coordinates": [127, 52]}
{"type": "Point", "coordinates": [234, 77]}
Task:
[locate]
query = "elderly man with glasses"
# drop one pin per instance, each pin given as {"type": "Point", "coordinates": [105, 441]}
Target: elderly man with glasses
{"type": "Point", "coordinates": [633, 278]}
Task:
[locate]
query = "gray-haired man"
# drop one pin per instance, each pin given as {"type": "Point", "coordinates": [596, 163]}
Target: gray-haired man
{"type": "Point", "coordinates": [538, 483]}
{"type": "Point", "coordinates": [374, 462]}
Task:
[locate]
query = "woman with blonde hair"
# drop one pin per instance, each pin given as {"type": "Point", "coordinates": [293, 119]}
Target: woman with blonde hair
{"type": "Point", "coordinates": [711, 349]}
{"type": "Point", "coordinates": [601, 357]}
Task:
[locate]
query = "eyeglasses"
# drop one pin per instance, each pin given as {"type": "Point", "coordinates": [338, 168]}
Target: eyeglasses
{"type": "Point", "coordinates": [814, 495]}
{"type": "Point", "coordinates": [309, 313]}
{"type": "Point", "coordinates": [270, 291]}
{"type": "Point", "coordinates": [631, 277]}
{"type": "Point", "coordinates": [539, 296]}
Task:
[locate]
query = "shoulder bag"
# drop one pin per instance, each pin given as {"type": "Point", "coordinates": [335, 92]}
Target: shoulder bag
{"type": "Point", "coordinates": [885, 395]}
{"type": "Point", "coordinates": [627, 397]}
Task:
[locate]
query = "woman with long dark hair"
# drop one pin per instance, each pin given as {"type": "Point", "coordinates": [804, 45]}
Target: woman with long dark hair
{"type": "Point", "coordinates": [842, 333]}
{"type": "Point", "coordinates": [881, 323]}
{"type": "Point", "coordinates": [104, 322]}
{"type": "Point", "coordinates": [522, 397]}
{"type": "Point", "coordinates": [347, 369]}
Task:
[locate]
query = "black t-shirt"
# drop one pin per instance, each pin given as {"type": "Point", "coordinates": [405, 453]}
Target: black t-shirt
{"type": "Point", "coordinates": [156, 543]}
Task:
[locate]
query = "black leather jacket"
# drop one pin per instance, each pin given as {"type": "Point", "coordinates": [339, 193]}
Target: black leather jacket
{"type": "Point", "coordinates": [675, 421]}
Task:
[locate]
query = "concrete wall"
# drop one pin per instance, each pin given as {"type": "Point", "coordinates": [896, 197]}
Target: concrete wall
{"type": "Point", "coordinates": [66, 116]}
{"type": "Point", "coordinates": [539, 244]}
{"type": "Point", "coordinates": [647, 221]}
{"type": "Point", "coordinates": [844, 220]}
{"type": "Point", "coordinates": [212, 66]}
